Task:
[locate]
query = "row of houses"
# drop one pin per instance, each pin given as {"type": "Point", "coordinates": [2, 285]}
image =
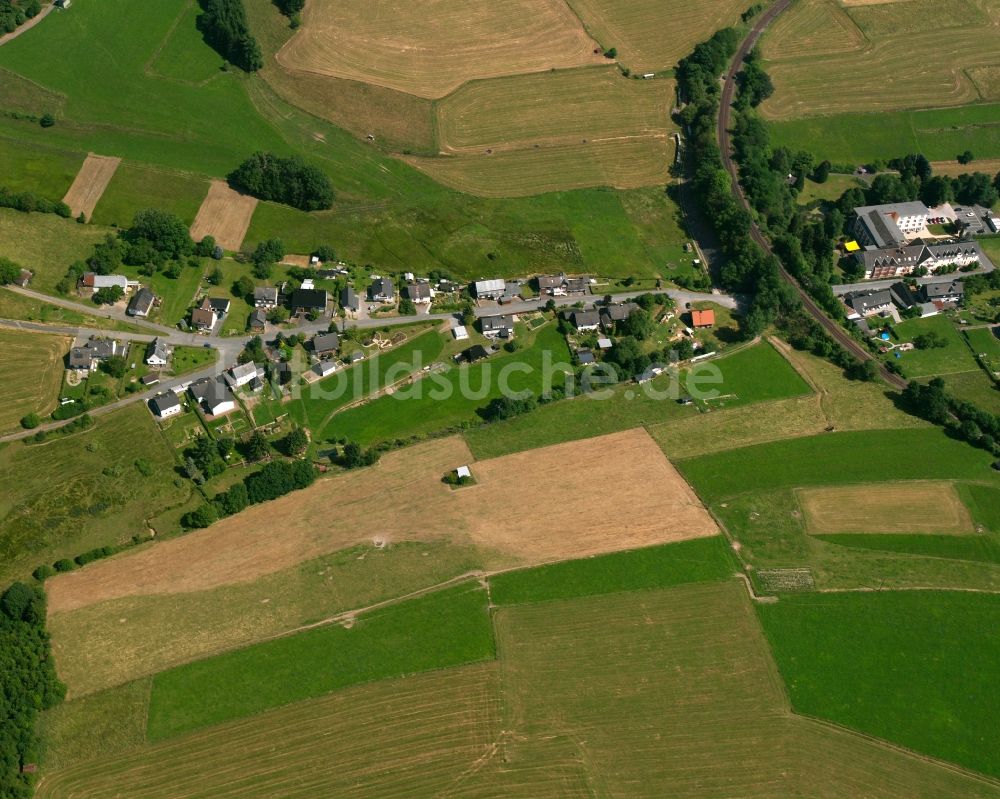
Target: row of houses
{"type": "Point", "coordinates": [931, 299]}
{"type": "Point", "coordinates": [605, 317]}
{"type": "Point", "coordinates": [215, 395]}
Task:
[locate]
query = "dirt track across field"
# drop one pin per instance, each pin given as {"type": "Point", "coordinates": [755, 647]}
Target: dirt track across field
{"type": "Point", "coordinates": [565, 501]}
{"type": "Point", "coordinates": [90, 183]}
{"type": "Point", "coordinates": [225, 215]}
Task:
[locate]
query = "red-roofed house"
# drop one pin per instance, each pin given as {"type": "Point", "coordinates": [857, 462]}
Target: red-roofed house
{"type": "Point", "coordinates": [702, 318]}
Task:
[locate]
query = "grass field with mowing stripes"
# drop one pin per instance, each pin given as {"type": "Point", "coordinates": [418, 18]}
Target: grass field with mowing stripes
{"type": "Point", "coordinates": [917, 667]}
{"type": "Point", "coordinates": [452, 627]}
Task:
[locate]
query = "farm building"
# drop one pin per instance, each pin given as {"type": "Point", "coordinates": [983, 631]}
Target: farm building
{"type": "Point", "coordinates": [95, 282]}
{"type": "Point", "coordinates": [489, 289]}
{"type": "Point", "coordinates": [476, 352]}
{"type": "Point", "coordinates": [324, 368]}
{"type": "Point", "coordinates": [702, 319]}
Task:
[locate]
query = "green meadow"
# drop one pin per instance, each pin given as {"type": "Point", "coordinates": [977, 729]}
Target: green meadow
{"type": "Point", "coordinates": [835, 458]}
{"type": "Point", "coordinates": [939, 133]}
{"type": "Point", "coordinates": [452, 626]}
{"type": "Point", "coordinates": [701, 560]}
{"type": "Point", "coordinates": [918, 668]}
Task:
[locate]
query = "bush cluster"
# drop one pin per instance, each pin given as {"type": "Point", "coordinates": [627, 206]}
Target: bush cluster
{"type": "Point", "coordinates": [13, 15]}
{"type": "Point", "coordinates": [224, 25]}
{"type": "Point", "coordinates": [275, 479]}
{"type": "Point", "coordinates": [27, 202]}
{"type": "Point", "coordinates": [289, 181]}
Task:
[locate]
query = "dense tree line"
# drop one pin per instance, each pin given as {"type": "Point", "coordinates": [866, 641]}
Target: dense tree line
{"type": "Point", "coordinates": [275, 479]}
{"type": "Point", "coordinates": [26, 202]}
{"type": "Point", "coordinates": [224, 26]}
{"type": "Point", "coordinates": [290, 7]}
{"type": "Point", "coordinates": [962, 419]}
{"type": "Point", "coordinates": [289, 181]}
{"type": "Point", "coordinates": [13, 15]}
{"type": "Point", "coordinates": [28, 684]}
{"type": "Point", "coordinates": [748, 268]}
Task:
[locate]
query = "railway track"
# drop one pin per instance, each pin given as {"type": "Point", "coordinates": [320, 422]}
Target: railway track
{"type": "Point", "coordinates": [722, 135]}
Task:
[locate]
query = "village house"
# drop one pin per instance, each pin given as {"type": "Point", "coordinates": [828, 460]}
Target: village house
{"type": "Point", "coordinates": [349, 299]}
{"type": "Point", "coordinates": [869, 303]}
{"type": "Point", "coordinates": [381, 290]}
{"type": "Point", "coordinates": [419, 293]}
{"type": "Point", "coordinates": [204, 316]}
{"type": "Point", "coordinates": [213, 395]}
{"type": "Point", "coordinates": [258, 320]}
{"type": "Point", "coordinates": [476, 352]}
{"type": "Point", "coordinates": [325, 344]}
{"type": "Point", "coordinates": [242, 374]}
{"type": "Point", "coordinates": [265, 297]}
{"type": "Point", "coordinates": [158, 353]}
{"type": "Point", "coordinates": [611, 314]}
{"type": "Point", "coordinates": [946, 291]}
{"type": "Point", "coordinates": [489, 289]}
{"type": "Point", "coordinates": [86, 357]}
{"type": "Point", "coordinates": [497, 326]}
{"type": "Point", "coordinates": [702, 319]}
{"type": "Point", "coordinates": [165, 405]}
{"type": "Point", "coordinates": [305, 301]}
{"type": "Point", "coordinates": [141, 303]}
{"type": "Point", "coordinates": [586, 320]}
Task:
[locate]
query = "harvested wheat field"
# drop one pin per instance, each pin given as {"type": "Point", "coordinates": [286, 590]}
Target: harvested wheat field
{"type": "Point", "coordinates": [430, 49]}
{"type": "Point", "coordinates": [30, 374]}
{"type": "Point", "coordinates": [923, 507]}
{"type": "Point", "coordinates": [403, 499]}
{"type": "Point", "coordinates": [551, 107]}
{"type": "Point", "coordinates": [225, 215]}
{"type": "Point", "coordinates": [653, 35]}
{"type": "Point", "coordinates": [90, 183]}
{"type": "Point", "coordinates": [953, 40]}
{"type": "Point", "coordinates": [416, 736]}
{"type": "Point", "coordinates": [622, 163]}
{"type": "Point", "coordinates": [991, 166]}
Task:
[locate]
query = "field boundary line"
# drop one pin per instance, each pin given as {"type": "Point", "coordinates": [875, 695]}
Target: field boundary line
{"type": "Point", "coordinates": [882, 743]}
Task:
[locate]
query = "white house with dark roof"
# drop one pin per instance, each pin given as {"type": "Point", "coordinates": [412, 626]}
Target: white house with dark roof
{"type": "Point", "coordinates": [265, 297]}
{"type": "Point", "coordinates": [490, 289]}
{"type": "Point", "coordinates": [165, 405]}
{"type": "Point", "coordinates": [158, 353]}
{"type": "Point", "coordinates": [497, 326]}
{"type": "Point", "coordinates": [242, 374]}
